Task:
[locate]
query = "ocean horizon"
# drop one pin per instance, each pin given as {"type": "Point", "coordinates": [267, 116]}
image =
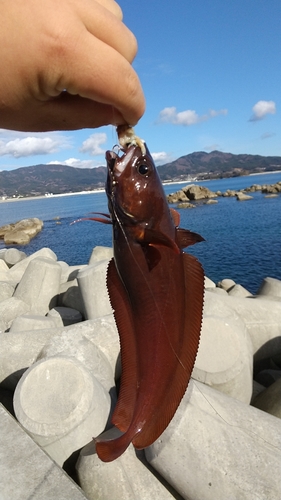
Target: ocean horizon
{"type": "Point", "coordinates": [242, 239]}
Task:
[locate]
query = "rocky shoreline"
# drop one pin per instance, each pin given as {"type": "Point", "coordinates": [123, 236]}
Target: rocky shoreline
{"type": "Point", "coordinates": [60, 364]}
{"type": "Point", "coordinates": [193, 192]}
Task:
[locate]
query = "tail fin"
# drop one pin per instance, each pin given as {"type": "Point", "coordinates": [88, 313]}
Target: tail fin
{"type": "Point", "coordinates": [109, 447]}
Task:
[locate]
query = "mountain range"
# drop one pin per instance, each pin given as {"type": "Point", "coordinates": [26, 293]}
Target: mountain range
{"type": "Point", "coordinates": [57, 179]}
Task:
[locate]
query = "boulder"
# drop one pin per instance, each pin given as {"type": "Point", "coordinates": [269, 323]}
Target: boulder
{"type": "Point", "coordinates": [17, 271]}
{"type": "Point", "coordinates": [10, 309]}
{"type": "Point", "coordinates": [21, 232]}
{"type": "Point", "coordinates": [242, 196]}
{"type": "Point", "coordinates": [195, 192]}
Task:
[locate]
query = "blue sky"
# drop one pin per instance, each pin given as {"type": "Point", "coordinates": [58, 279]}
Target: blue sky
{"type": "Point", "coordinates": [211, 73]}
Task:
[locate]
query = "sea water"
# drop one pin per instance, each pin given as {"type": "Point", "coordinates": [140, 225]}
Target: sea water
{"type": "Point", "coordinates": [242, 239]}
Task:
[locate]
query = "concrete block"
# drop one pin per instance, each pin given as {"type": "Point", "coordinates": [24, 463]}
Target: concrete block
{"type": "Point", "coordinates": [13, 256]}
{"type": "Point", "coordinates": [103, 332]}
{"type": "Point", "coordinates": [101, 253]}
{"type": "Point", "coordinates": [10, 309]}
{"type": "Point", "coordinates": [72, 343]}
{"type": "Point", "coordinates": [26, 472]}
{"type": "Point", "coordinates": [226, 284]}
{"type": "Point", "coordinates": [3, 266]}
{"type": "Point", "coordinates": [239, 291]}
{"type": "Point", "coordinates": [28, 322]}
{"type": "Point", "coordinates": [70, 296]}
{"type": "Point", "coordinates": [126, 478]}
{"type": "Point", "coordinates": [61, 405]}
{"type": "Point", "coordinates": [92, 284]}
{"type": "Point", "coordinates": [67, 315]}
{"type": "Point", "coordinates": [209, 283]}
{"type": "Point", "coordinates": [225, 356]}
{"type": "Point", "coordinates": [269, 400]}
{"type": "Point", "coordinates": [17, 271]}
{"type": "Point", "coordinates": [270, 287]}
{"type": "Point", "coordinates": [219, 448]}
{"type": "Point", "coordinates": [263, 322]}
{"type": "Point", "coordinates": [39, 286]}
{"type": "Point", "coordinates": [6, 290]}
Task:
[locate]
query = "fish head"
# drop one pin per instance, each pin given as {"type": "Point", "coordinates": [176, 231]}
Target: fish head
{"type": "Point", "coordinates": [134, 189]}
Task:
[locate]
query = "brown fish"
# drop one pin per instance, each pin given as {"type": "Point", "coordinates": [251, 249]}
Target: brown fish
{"type": "Point", "coordinates": [156, 291]}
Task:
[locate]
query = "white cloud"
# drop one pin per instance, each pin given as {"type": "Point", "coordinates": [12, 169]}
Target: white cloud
{"type": "Point", "coordinates": [188, 117]}
{"type": "Point", "coordinates": [30, 146]}
{"type": "Point", "coordinates": [161, 157]}
{"type": "Point", "coordinates": [261, 109]}
{"type": "Point", "coordinates": [77, 163]}
{"type": "Point", "coordinates": [93, 143]}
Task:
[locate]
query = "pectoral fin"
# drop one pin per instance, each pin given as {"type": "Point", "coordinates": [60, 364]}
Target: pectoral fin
{"type": "Point", "coordinates": [186, 238]}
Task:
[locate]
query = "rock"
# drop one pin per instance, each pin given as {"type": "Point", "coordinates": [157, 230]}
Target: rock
{"type": "Point", "coordinates": [211, 202]}
{"type": "Point", "coordinates": [39, 286]}
{"type": "Point", "coordinates": [67, 315]}
{"type": "Point", "coordinates": [29, 322]}
{"type": "Point", "coordinates": [26, 472]}
{"type": "Point", "coordinates": [126, 478]}
{"type": "Point", "coordinates": [194, 192]}
{"type": "Point", "coordinates": [237, 446]}
{"type": "Point", "coordinates": [269, 400]}
{"type": "Point", "coordinates": [243, 197]}
{"type": "Point", "coordinates": [12, 308]}
{"type": "Point", "coordinates": [21, 232]}
{"type": "Point", "coordinates": [61, 405]}
{"type": "Point", "coordinates": [238, 291]}
{"type": "Point", "coordinates": [3, 266]}
{"type": "Point", "coordinates": [101, 253]}
{"type": "Point", "coordinates": [13, 256]}
{"type": "Point", "coordinates": [185, 204]}
{"type": "Point", "coordinates": [225, 357]}
{"type": "Point", "coordinates": [226, 284]}
{"type": "Point", "coordinates": [92, 284]}
{"type": "Point", "coordinates": [270, 287]}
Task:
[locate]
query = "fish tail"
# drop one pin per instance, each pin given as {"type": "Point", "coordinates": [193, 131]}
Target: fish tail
{"type": "Point", "coordinates": [110, 449]}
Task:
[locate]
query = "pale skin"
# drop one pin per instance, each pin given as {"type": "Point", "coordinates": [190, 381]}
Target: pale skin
{"type": "Point", "coordinates": [66, 64]}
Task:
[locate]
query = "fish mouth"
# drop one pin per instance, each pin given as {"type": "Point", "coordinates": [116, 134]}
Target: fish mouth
{"type": "Point", "coordinates": [115, 167]}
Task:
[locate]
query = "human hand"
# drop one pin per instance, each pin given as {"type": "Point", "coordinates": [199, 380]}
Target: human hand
{"type": "Point", "coordinates": [66, 65]}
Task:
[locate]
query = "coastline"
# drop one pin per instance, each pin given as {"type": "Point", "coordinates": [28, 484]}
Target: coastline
{"type": "Point", "coordinates": [102, 190]}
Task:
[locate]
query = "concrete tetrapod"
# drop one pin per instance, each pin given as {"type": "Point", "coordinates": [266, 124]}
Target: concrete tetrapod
{"type": "Point", "coordinates": [219, 448]}
{"type": "Point", "coordinates": [126, 478]}
{"type": "Point", "coordinates": [61, 405]}
{"type": "Point", "coordinates": [225, 356]}
{"type": "Point", "coordinates": [92, 283]}
{"type": "Point", "coordinates": [39, 286]}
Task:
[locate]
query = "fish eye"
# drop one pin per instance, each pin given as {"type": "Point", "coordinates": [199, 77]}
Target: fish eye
{"type": "Point", "coordinates": [143, 169]}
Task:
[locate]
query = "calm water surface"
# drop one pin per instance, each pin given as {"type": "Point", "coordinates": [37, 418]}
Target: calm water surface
{"type": "Point", "coordinates": [243, 239]}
